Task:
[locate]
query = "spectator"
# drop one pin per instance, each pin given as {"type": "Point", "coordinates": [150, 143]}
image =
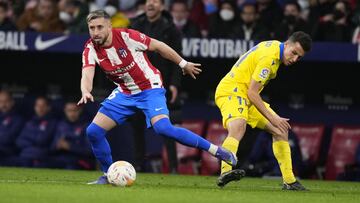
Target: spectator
{"type": "Point", "coordinates": [35, 138]}
{"type": "Point", "coordinates": [10, 126]}
{"type": "Point", "coordinates": [73, 13]}
{"type": "Point", "coordinates": [180, 14]}
{"type": "Point", "coordinates": [291, 22]}
{"type": "Point", "coordinates": [119, 19]}
{"type": "Point", "coordinates": [200, 12]}
{"type": "Point", "coordinates": [250, 29]}
{"type": "Point", "coordinates": [43, 18]}
{"type": "Point", "coordinates": [335, 26]}
{"type": "Point", "coordinates": [224, 23]}
{"type": "Point", "coordinates": [158, 23]}
{"type": "Point", "coordinates": [70, 148]}
{"type": "Point", "coordinates": [5, 22]}
{"type": "Point", "coordinates": [270, 13]}
{"type": "Point", "coordinates": [262, 161]}
{"type": "Point", "coordinates": [356, 32]}
{"type": "Point", "coordinates": [15, 9]}
{"type": "Point", "coordinates": [319, 9]}
{"type": "Point", "coordinates": [140, 7]}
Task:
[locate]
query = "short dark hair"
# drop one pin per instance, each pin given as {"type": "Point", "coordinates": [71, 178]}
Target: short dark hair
{"type": "Point", "coordinates": [304, 40]}
{"type": "Point", "coordinates": [97, 14]}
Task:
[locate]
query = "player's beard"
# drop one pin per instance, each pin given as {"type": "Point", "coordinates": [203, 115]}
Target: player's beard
{"type": "Point", "coordinates": [101, 42]}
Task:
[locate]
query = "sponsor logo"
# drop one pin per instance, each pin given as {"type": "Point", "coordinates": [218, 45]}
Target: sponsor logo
{"type": "Point", "coordinates": [122, 69]}
{"type": "Point", "coordinates": [264, 73]}
{"type": "Point", "coordinates": [158, 109]}
{"type": "Point", "coordinates": [41, 44]}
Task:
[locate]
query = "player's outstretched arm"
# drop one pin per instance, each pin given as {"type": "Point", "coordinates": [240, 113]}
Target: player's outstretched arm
{"type": "Point", "coordinates": [254, 97]}
{"type": "Point", "coordinates": [86, 85]}
{"type": "Point", "coordinates": [167, 52]}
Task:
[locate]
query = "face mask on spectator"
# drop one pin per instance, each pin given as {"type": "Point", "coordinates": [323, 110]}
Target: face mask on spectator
{"type": "Point", "coordinates": [226, 14]}
{"type": "Point", "coordinates": [65, 17]}
{"type": "Point", "coordinates": [338, 14]}
{"type": "Point", "coordinates": [180, 23]}
{"type": "Point", "coordinates": [290, 19]}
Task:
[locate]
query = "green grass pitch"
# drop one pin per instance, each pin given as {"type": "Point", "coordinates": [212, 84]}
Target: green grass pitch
{"type": "Point", "coordinates": [51, 186]}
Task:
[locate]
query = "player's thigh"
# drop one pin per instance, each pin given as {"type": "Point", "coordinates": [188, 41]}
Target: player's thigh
{"type": "Point", "coordinates": [104, 121]}
{"type": "Point", "coordinates": [116, 109]}
{"type": "Point", "coordinates": [276, 132]}
{"type": "Point", "coordinates": [153, 104]}
{"type": "Point", "coordinates": [232, 108]}
{"type": "Point", "coordinates": [256, 119]}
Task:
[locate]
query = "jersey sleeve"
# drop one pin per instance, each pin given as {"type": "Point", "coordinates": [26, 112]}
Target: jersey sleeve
{"type": "Point", "coordinates": [262, 70]}
{"type": "Point", "coordinates": [141, 40]}
{"type": "Point", "coordinates": [88, 57]}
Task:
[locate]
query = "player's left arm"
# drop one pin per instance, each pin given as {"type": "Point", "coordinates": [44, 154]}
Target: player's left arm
{"type": "Point", "coordinates": [167, 52]}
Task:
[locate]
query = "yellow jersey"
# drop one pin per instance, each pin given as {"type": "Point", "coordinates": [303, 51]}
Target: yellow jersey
{"type": "Point", "coordinates": [260, 63]}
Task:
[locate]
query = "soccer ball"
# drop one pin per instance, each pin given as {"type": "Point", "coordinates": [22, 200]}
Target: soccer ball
{"type": "Point", "coordinates": [121, 173]}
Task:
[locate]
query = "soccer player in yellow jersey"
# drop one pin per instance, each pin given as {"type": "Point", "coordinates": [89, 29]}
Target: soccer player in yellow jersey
{"type": "Point", "coordinates": [238, 98]}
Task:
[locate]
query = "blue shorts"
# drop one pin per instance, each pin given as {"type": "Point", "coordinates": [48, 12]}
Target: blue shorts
{"type": "Point", "coordinates": [119, 106]}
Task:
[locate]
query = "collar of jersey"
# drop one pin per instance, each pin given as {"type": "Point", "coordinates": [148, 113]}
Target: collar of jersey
{"type": "Point", "coordinates": [281, 50]}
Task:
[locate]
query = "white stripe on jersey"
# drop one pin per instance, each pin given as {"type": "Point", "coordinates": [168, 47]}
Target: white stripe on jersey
{"type": "Point", "coordinates": [92, 57]}
{"type": "Point", "coordinates": [155, 80]}
{"type": "Point", "coordinates": [130, 83]}
{"type": "Point", "coordinates": [113, 57]}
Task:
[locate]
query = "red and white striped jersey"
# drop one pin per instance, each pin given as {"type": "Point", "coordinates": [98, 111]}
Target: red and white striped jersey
{"type": "Point", "coordinates": [125, 61]}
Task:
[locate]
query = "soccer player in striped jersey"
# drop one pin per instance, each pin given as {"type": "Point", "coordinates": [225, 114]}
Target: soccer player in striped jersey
{"type": "Point", "coordinates": [121, 54]}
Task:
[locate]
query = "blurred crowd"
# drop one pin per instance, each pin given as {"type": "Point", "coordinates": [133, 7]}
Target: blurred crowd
{"type": "Point", "coordinates": [45, 138]}
{"type": "Point", "coordinates": [325, 20]}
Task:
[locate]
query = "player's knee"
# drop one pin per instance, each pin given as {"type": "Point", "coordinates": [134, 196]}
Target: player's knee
{"type": "Point", "coordinates": [281, 136]}
{"type": "Point", "coordinates": [237, 128]}
{"type": "Point", "coordinates": [163, 126]}
{"type": "Point", "coordinates": [95, 132]}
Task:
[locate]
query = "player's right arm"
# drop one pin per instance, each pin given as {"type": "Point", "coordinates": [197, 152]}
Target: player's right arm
{"type": "Point", "coordinates": [256, 100]}
{"type": "Point", "coordinates": [259, 78]}
{"type": "Point", "coordinates": [86, 84]}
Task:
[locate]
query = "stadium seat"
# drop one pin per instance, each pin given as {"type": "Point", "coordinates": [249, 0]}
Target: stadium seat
{"type": "Point", "coordinates": [342, 149]}
{"type": "Point", "coordinates": [215, 134]}
{"type": "Point", "coordinates": [310, 138]}
{"type": "Point", "coordinates": [187, 156]}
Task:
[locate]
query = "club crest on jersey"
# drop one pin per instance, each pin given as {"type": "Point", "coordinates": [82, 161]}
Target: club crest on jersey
{"type": "Point", "coordinates": [122, 52]}
{"type": "Point", "coordinates": [264, 73]}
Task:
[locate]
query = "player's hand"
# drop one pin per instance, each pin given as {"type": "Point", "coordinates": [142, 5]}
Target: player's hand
{"type": "Point", "coordinates": [174, 93]}
{"type": "Point", "coordinates": [192, 69]}
{"type": "Point", "coordinates": [281, 123]}
{"type": "Point", "coordinates": [85, 98]}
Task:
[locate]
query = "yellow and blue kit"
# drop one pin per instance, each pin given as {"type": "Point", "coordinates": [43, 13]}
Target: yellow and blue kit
{"type": "Point", "coordinates": [261, 64]}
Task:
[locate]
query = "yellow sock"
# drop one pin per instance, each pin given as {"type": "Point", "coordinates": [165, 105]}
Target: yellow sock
{"type": "Point", "coordinates": [282, 153]}
{"type": "Point", "coordinates": [230, 144]}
